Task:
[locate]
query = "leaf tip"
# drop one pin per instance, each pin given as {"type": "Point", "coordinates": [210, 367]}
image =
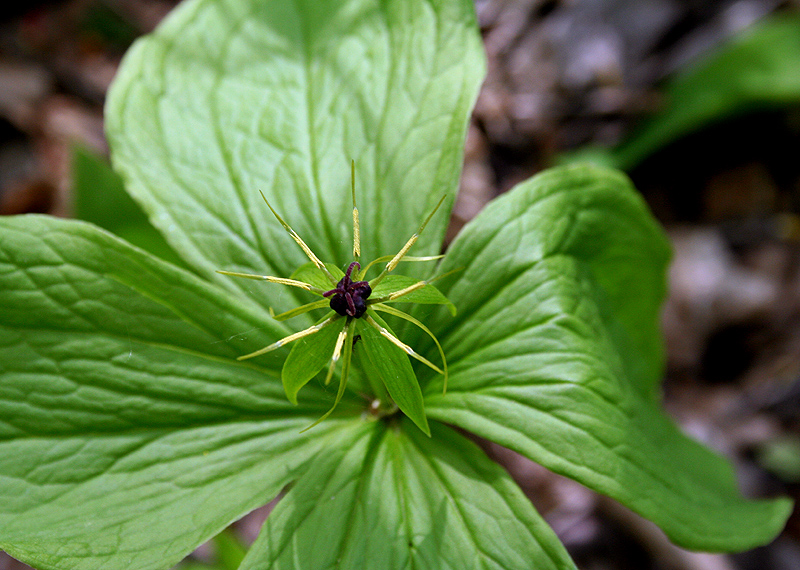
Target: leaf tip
{"type": "Point", "coordinates": [427, 429]}
{"type": "Point", "coordinates": [421, 421]}
{"type": "Point", "coordinates": [291, 394]}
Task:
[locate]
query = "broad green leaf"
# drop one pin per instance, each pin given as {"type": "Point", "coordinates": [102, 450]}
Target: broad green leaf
{"type": "Point", "coordinates": [122, 405]}
{"type": "Point", "coordinates": [388, 362]}
{"type": "Point", "coordinates": [757, 69]}
{"type": "Point", "coordinates": [100, 198]}
{"type": "Point", "coordinates": [308, 356]}
{"type": "Point", "coordinates": [231, 97]}
{"type": "Point", "coordinates": [392, 498]}
{"type": "Point", "coordinates": [427, 295]}
{"type": "Point", "coordinates": [555, 353]}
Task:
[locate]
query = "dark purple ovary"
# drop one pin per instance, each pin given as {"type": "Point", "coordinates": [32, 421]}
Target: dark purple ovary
{"type": "Point", "coordinates": [349, 299]}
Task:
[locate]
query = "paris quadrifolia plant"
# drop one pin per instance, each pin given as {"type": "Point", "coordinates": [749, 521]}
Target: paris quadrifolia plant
{"type": "Point", "coordinates": [354, 304]}
{"type": "Point", "coordinates": [148, 403]}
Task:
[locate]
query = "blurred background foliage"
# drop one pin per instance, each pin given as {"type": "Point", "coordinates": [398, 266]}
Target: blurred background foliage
{"type": "Point", "coordinates": [698, 100]}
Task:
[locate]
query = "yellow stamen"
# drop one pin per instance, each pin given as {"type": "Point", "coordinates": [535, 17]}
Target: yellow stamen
{"type": "Point", "coordinates": [348, 353]}
{"type": "Point", "coordinates": [337, 352]}
{"type": "Point", "coordinates": [402, 253]}
{"type": "Point", "coordinates": [291, 338]}
{"type": "Point", "coordinates": [400, 344]}
{"type": "Point", "coordinates": [307, 250]}
{"type": "Point", "coordinates": [279, 280]}
{"type": "Point", "coordinates": [356, 225]}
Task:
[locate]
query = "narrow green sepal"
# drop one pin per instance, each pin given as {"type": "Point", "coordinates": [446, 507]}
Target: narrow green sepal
{"type": "Point", "coordinates": [427, 294]}
{"type": "Point", "coordinates": [346, 354]}
{"type": "Point", "coordinates": [311, 274]}
{"type": "Point", "coordinates": [308, 356]}
{"type": "Point", "coordinates": [302, 309]}
{"type": "Point", "coordinates": [409, 318]}
{"type": "Point", "coordinates": [407, 258]}
{"type": "Point", "coordinates": [391, 364]}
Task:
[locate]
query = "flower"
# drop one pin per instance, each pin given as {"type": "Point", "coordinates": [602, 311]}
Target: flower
{"type": "Point", "coordinates": [353, 315]}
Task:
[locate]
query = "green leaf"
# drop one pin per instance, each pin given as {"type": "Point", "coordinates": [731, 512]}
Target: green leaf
{"type": "Point", "coordinates": [388, 362]}
{"type": "Point", "coordinates": [302, 309]}
{"type": "Point", "coordinates": [100, 198]}
{"type": "Point", "coordinates": [384, 498]}
{"type": "Point", "coordinates": [229, 98]}
{"type": "Point", "coordinates": [416, 322]}
{"type": "Point", "coordinates": [781, 456]}
{"type": "Point", "coordinates": [427, 295]}
{"type": "Point", "coordinates": [757, 69]}
{"type": "Point", "coordinates": [555, 353]}
{"type": "Point", "coordinates": [122, 405]}
{"type": "Point", "coordinates": [308, 356]}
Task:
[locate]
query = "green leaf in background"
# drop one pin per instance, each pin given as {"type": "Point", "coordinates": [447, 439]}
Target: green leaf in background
{"type": "Point", "coordinates": [123, 406]}
{"type": "Point", "coordinates": [555, 353]}
{"type": "Point", "coordinates": [229, 98]}
{"type": "Point", "coordinates": [782, 457]}
{"type": "Point", "coordinates": [100, 198]}
{"type": "Point", "coordinates": [758, 69]}
{"type": "Point", "coordinates": [389, 497]}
